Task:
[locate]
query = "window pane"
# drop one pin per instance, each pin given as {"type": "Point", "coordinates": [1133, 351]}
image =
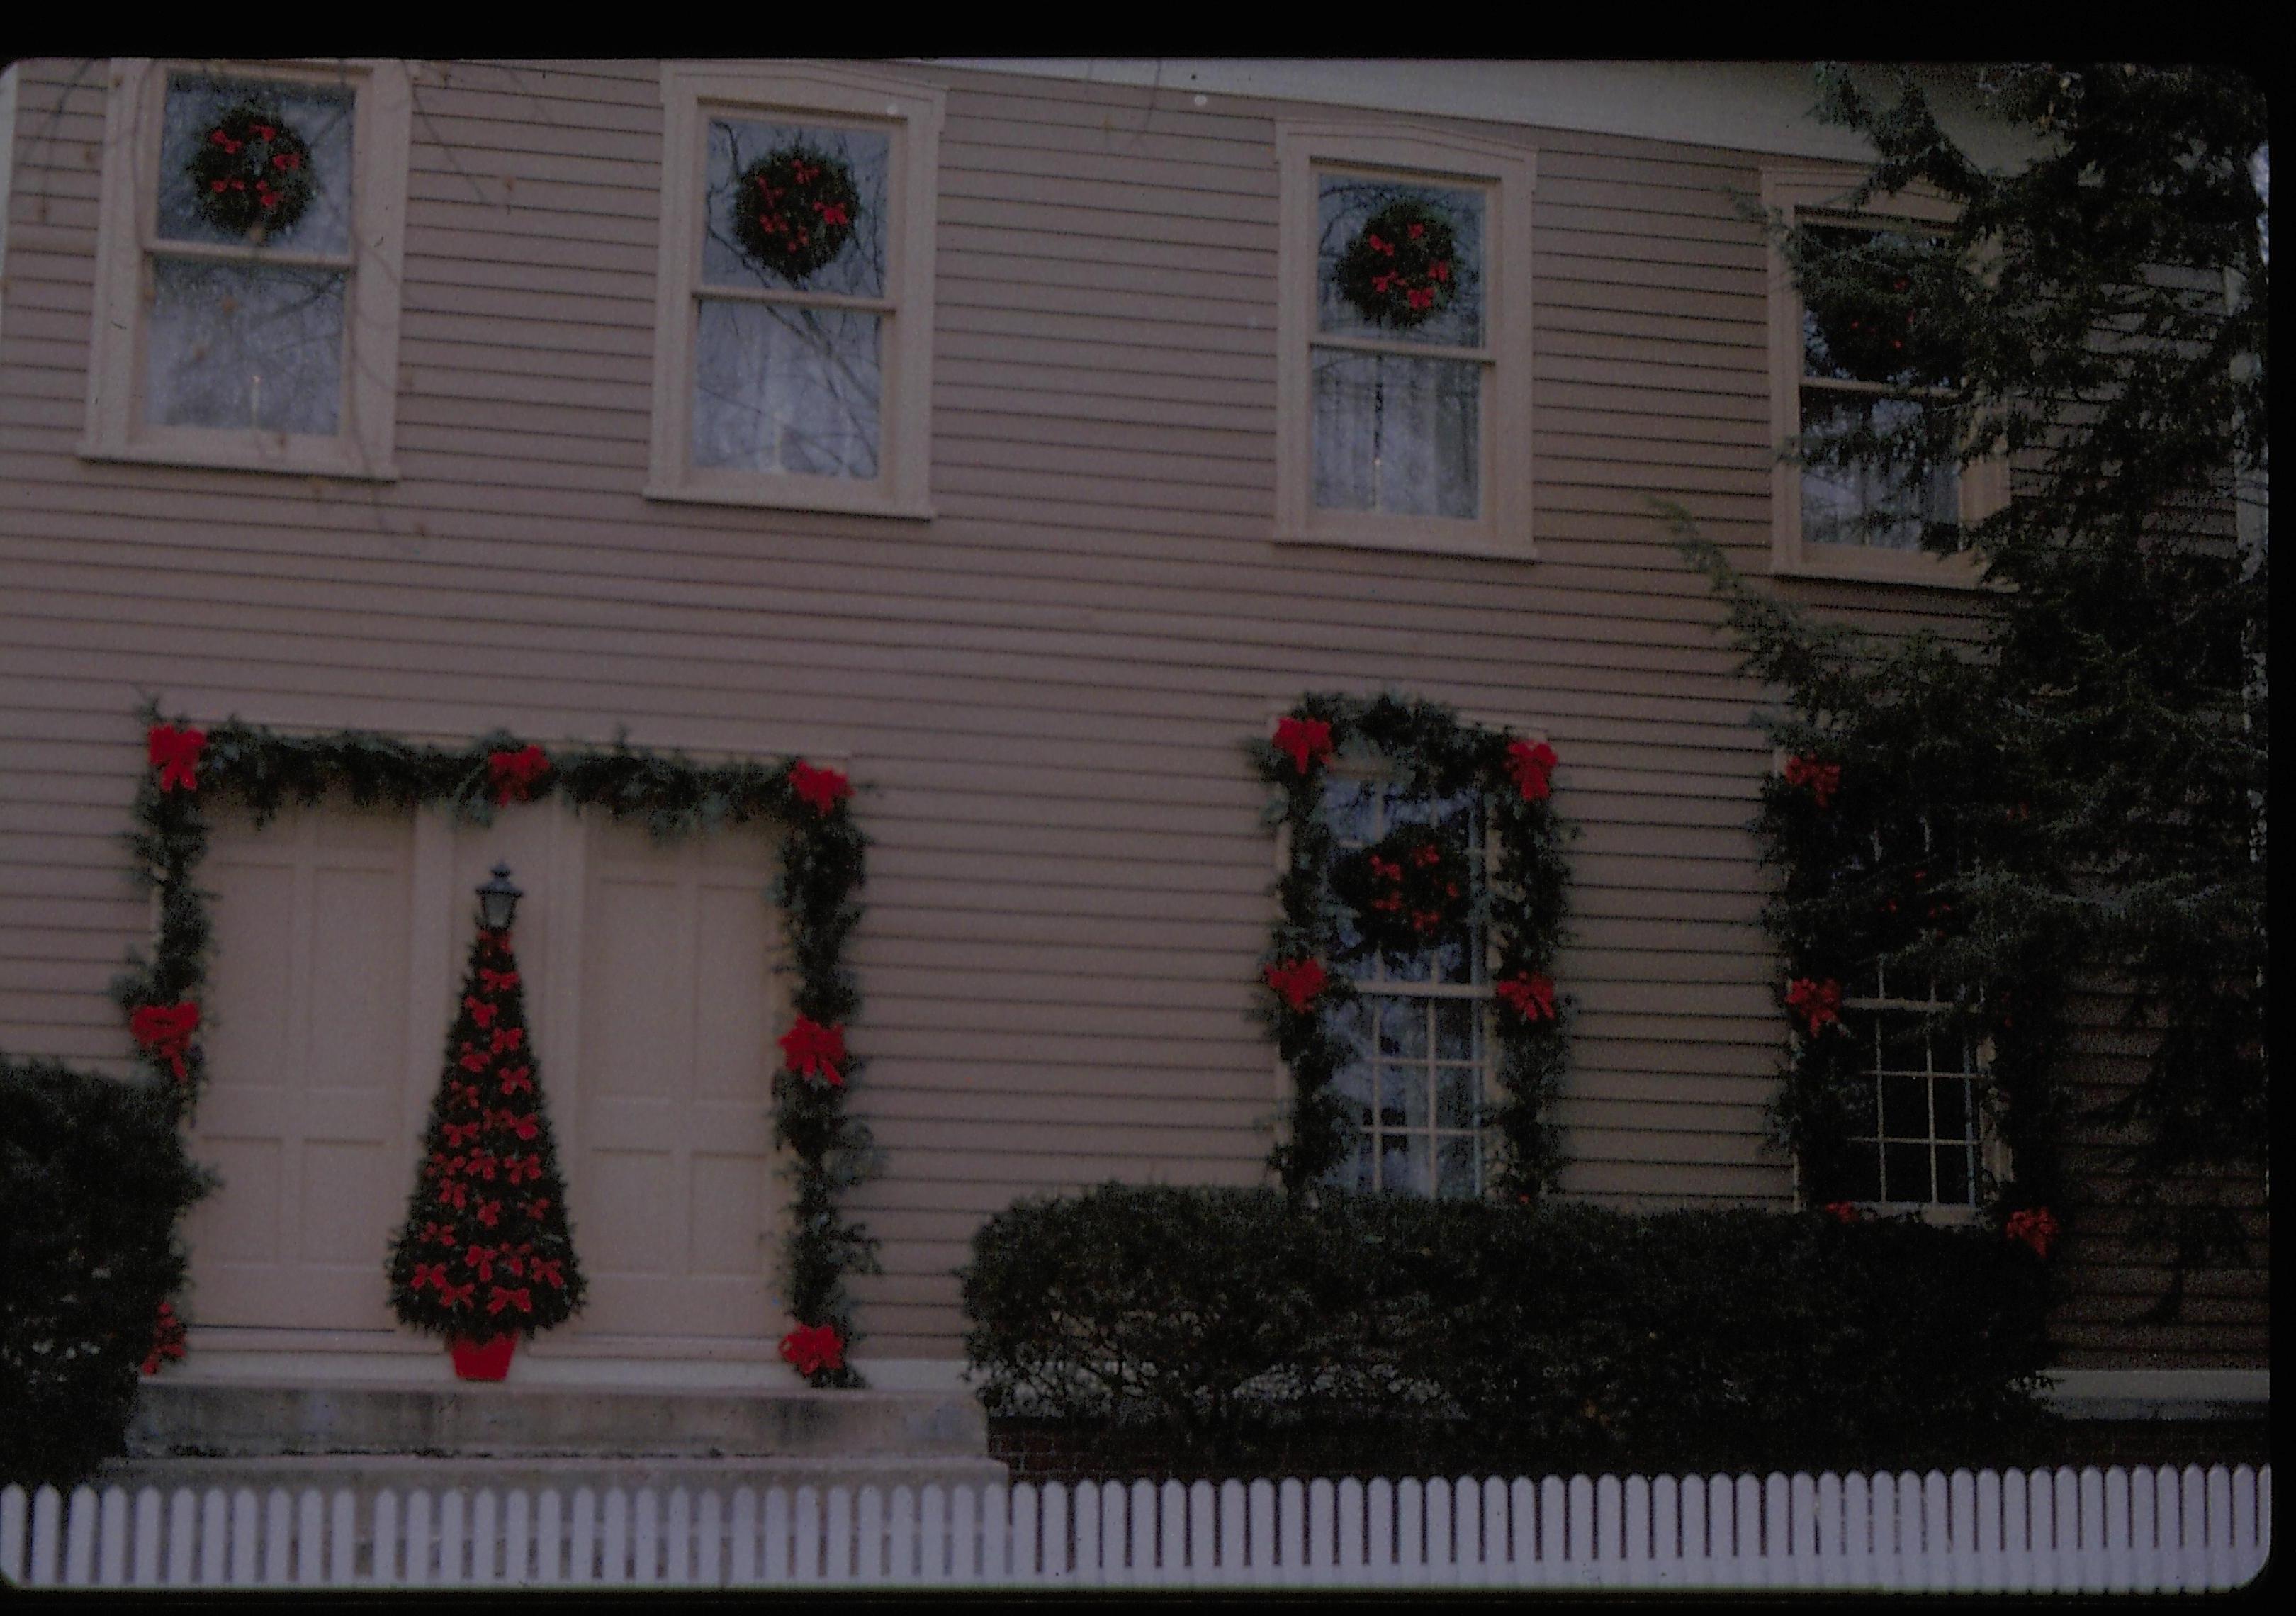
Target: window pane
{"type": "Point", "coordinates": [858, 270]}
{"type": "Point", "coordinates": [1904, 1172]}
{"type": "Point", "coordinates": [242, 345]}
{"type": "Point", "coordinates": [1354, 1171]}
{"type": "Point", "coordinates": [1397, 435]}
{"type": "Point", "coordinates": [1345, 205]}
{"type": "Point", "coordinates": [780, 388]}
{"type": "Point", "coordinates": [1904, 1107]}
{"type": "Point", "coordinates": [1403, 1163]}
{"type": "Point", "coordinates": [1456, 1027]}
{"type": "Point", "coordinates": [1953, 1175]}
{"type": "Point", "coordinates": [1458, 1096]}
{"type": "Point", "coordinates": [1866, 502]}
{"type": "Point", "coordinates": [1347, 808]}
{"type": "Point", "coordinates": [1402, 1096]}
{"type": "Point", "coordinates": [1455, 1164]}
{"type": "Point", "coordinates": [1403, 1027]}
{"type": "Point", "coordinates": [321, 117]}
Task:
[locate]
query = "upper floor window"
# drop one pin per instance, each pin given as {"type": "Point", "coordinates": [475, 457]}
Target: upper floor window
{"type": "Point", "coordinates": [1404, 381]}
{"type": "Point", "coordinates": [1839, 376]}
{"type": "Point", "coordinates": [248, 266]}
{"type": "Point", "coordinates": [794, 347]}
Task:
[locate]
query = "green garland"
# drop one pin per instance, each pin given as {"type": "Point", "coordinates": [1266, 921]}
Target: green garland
{"type": "Point", "coordinates": [1433, 755]}
{"type": "Point", "coordinates": [823, 859]}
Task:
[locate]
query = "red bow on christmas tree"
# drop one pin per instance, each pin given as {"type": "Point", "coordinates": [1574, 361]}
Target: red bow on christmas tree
{"type": "Point", "coordinates": [1307, 739]}
{"type": "Point", "coordinates": [814, 1051]}
{"type": "Point", "coordinates": [1529, 996]}
{"type": "Point", "coordinates": [1297, 982]}
{"type": "Point", "coordinates": [814, 1347]}
{"type": "Point", "coordinates": [1529, 764]}
{"type": "Point", "coordinates": [1816, 1002]}
{"type": "Point", "coordinates": [167, 1339]}
{"type": "Point", "coordinates": [165, 1031]}
{"type": "Point", "coordinates": [175, 754]}
{"type": "Point", "coordinates": [822, 788]}
{"type": "Point", "coordinates": [1823, 779]}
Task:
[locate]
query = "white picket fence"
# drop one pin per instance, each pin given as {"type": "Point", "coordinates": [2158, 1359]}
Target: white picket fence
{"type": "Point", "coordinates": [2141, 1529]}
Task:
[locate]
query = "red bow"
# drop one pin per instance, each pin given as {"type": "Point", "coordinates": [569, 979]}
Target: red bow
{"type": "Point", "coordinates": [502, 1298]}
{"type": "Point", "coordinates": [175, 754]}
{"type": "Point", "coordinates": [166, 1339]}
{"type": "Point", "coordinates": [823, 788]}
{"type": "Point", "coordinates": [525, 1127]}
{"type": "Point", "coordinates": [1419, 297]}
{"type": "Point", "coordinates": [454, 1194]}
{"type": "Point", "coordinates": [440, 1233]}
{"type": "Point", "coordinates": [459, 1133]}
{"type": "Point", "coordinates": [1845, 1211]}
{"type": "Point", "coordinates": [508, 1037]}
{"type": "Point", "coordinates": [536, 1206]}
{"type": "Point", "coordinates": [812, 1348]}
{"type": "Point", "coordinates": [474, 1059]}
{"type": "Point", "coordinates": [456, 1296]}
{"type": "Point", "coordinates": [165, 1031]}
{"type": "Point", "coordinates": [1529, 996]}
{"type": "Point", "coordinates": [524, 1168]}
{"type": "Point", "coordinates": [481, 1012]}
{"type": "Point", "coordinates": [516, 1077]}
{"type": "Point", "coordinates": [435, 1275]}
{"type": "Point", "coordinates": [1298, 982]}
{"type": "Point", "coordinates": [832, 213]}
{"type": "Point", "coordinates": [1816, 1002]}
{"type": "Point", "coordinates": [1306, 739]}
{"type": "Point", "coordinates": [2035, 1227]}
{"type": "Point", "coordinates": [496, 981]}
{"type": "Point", "coordinates": [1529, 763]}
{"type": "Point", "coordinates": [482, 1260]}
{"type": "Point", "coordinates": [482, 1164]}
{"type": "Point", "coordinates": [512, 774]}
{"type": "Point", "coordinates": [488, 1211]}
{"type": "Point", "coordinates": [546, 1268]}
{"type": "Point", "coordinates": [812, 1050]}
{"type": "Point", "coordinates": [1823, 779]}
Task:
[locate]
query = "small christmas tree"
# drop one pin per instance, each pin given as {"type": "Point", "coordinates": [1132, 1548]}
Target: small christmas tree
{"type": "Point", "coordinates": [486, 1251]}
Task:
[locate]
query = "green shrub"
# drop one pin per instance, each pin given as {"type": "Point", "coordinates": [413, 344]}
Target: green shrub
{"type": "Point", "coordinates": [1568, 1336]}
{"type": "Point", "coordinates": [93, 1178]}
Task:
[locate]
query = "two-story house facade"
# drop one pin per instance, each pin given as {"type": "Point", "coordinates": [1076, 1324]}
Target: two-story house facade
{"type": "Point", "coordinates": [1051, 466]}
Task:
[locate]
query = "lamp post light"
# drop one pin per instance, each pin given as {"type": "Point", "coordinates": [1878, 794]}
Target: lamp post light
{"type": "Point", "coordinates": [499, 899]}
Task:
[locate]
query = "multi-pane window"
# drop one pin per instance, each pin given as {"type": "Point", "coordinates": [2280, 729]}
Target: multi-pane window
{"type": "Point", "coordinates": [785, 377]}
{"type": "Point", "coordinates": [1403, 392]}
{"type": "Point", "coordinates": [1849, 387]}
{"type": "Point", "coordinates": [1859, 367]}
{"type": "Point", "coordinates": [788, 373]}
{"type": "Point", "coordinates": [1924, 1143]}
{"type": "Point", "coordinates": [262, 336]}
{"type": "Point", "coordinates": [1418, 1037]}
{"type": "Point", "coordinates": [1397, 412]}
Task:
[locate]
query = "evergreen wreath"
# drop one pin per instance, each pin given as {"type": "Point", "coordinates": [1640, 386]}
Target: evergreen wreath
{"type": "Point", "coordinates": [1406, 892]}
{"type": "Point", "coordinates": [823, 859]}
{"type": "Point", "coordinates": [1402, 269]}
{"type": "Point", "coordinates": [486, 1249]}
{"type": "Point", "coordinates": [794, 210]}
{"type": "Point", "coordinates": [1865, 302]}
{"type": "Point", "coordinates": [1433, 755]}
{"type": "Point", "coordinates": [250, 169]}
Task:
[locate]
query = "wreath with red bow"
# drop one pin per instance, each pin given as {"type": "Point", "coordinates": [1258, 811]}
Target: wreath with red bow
{"type": "Point", "coordinates": [1407, 892]}
{"type": "Point", "coordinates": [794, 210]}
{"type": "Point", "coordinates": [1402, 269]}
{"type": "Point", "coordinates": [252, 170]}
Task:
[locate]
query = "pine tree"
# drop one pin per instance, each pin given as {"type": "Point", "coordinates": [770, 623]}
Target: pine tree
{"type": "Point", "coordinates": [486, 1249]}
{"type": "Point", "coordinates": [2099, 312]}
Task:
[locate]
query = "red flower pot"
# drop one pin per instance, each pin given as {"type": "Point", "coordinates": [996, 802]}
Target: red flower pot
{"type": "Point", "coordinates": [488, 1360]}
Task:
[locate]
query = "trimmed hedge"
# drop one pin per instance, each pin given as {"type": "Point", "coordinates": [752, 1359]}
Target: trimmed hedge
{"type": "Point", "coordinates": [1238, 1326]}
{"type": "Point", "coordinates": [92, 1177]}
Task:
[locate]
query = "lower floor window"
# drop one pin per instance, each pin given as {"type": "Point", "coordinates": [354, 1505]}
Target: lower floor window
{"type": "Point", "coordinates": [1923, 1143]}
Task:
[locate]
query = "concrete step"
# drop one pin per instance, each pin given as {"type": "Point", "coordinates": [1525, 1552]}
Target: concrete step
{"type": "Point", "coordinates": [224, 1419]}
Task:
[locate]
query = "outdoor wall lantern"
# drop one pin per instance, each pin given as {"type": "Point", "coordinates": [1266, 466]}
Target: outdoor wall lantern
{"type": "Point", "coordinates": [499, 899]}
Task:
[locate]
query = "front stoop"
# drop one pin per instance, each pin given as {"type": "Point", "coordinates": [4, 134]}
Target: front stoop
{"type": "Point", "coordinates": [227, 1421]}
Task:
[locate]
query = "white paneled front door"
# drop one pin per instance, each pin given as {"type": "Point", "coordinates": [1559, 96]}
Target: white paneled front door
{"type": "Point", "coordinates": [340, 940]}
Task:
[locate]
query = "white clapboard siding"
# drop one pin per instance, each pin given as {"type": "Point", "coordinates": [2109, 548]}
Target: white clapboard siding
{"type": "Point", "coordinates": [2141, 1531]}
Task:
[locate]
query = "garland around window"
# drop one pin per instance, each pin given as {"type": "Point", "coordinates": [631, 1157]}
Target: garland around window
{"type": "Point", "coordinates": [1432, 754]}
{"type": "Point", "coordinates": [822, 868]}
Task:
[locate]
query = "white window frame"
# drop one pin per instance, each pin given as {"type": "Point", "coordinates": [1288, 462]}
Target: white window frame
{"type": "Point", "coordinates": [911, 114]}
{"type": "Point", "coordinates": [1506, 176]}
{"type": "Point", "coordinates": [1989, 1157]}
{"type": "Point", "coordinates": [1983, 487]}
{"type": "Point", "coordinates": [361, 444]}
